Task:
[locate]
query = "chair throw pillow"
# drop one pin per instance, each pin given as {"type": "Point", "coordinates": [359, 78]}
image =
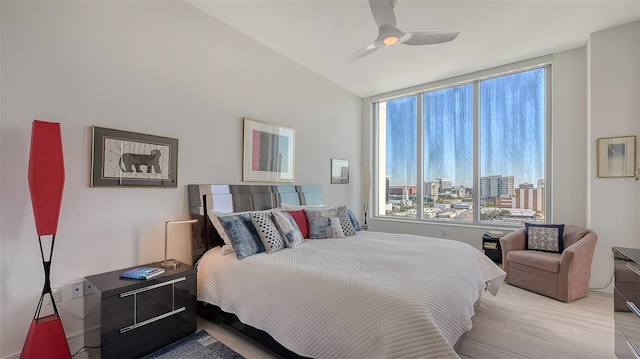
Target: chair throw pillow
{"type": "Point", "coordinates": [545, 237]}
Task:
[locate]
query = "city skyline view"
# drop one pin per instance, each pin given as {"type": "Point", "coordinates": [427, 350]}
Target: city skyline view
{"type": "Point", "coordinates": [512, 129]}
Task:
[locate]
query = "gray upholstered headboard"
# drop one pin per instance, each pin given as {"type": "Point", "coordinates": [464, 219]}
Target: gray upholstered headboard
{"type": "Point", "coordinates": [238, 198]}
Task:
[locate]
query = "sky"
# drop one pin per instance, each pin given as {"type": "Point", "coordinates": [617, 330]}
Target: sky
{"type": "Point", "coordinates": [511, 131]}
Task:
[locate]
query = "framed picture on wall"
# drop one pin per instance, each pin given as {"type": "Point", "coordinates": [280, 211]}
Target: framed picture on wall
{"type": "Point", "coordinates": [122, 158]}
{"type": "Point", "coordinates": [339, 171]}
{"type": "Point", "coordinates": [617, 156]}
{"type": "Point", "coordinates": [269, 152]}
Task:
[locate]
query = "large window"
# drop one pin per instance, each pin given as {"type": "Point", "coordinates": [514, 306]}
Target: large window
{"type": "Point", "coordinates": [467, 153]}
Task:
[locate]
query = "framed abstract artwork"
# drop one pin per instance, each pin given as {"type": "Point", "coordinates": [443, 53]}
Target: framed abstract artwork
{"type": "Point", "coordinates": [269, 152]}
{"type": "Point", "coordinates": [339, 171]}
{"type": "Point", "coordinates": [122, 158]}
{"type": "Point", "coordinates": [617, 156]}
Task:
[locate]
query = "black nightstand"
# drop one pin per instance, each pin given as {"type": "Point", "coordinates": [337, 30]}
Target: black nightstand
{"type": "Point", "coordinates": [491, 248]}
{"type": "Point", "coordinates": [136, 317]}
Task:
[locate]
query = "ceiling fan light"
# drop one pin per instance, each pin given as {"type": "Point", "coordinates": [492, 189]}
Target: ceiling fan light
{"type": "Point", "coordinates": [390, 40]}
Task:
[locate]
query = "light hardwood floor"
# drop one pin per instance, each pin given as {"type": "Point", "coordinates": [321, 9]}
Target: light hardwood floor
{"type": "Point", "coordinates": [514, 324]}
{"type": "Point", "coordinates": [520, 324]}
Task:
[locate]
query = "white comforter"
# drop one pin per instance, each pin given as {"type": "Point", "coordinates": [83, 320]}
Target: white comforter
{"type": "Point", "coordinates": [373, 295]}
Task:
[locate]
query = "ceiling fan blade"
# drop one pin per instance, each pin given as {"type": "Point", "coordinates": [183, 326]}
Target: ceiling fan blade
{"type": "Point", "coordinates": [382, 12]}
{"type": "Point", "coordinates": [362, 52]}
{"type": "Point", "coordinates": [429, 38]}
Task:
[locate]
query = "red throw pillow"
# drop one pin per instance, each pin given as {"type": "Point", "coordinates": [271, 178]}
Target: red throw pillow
{"type": "Point", "coordinates": [301, 220]}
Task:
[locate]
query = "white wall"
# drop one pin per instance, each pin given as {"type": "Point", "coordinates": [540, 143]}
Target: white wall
{"type": "Point", "coordinates": [614, 106]}
{"type": "Point", "coordinates": [569, 137]}
{"type": "Point", "coordinates": [163, 68]}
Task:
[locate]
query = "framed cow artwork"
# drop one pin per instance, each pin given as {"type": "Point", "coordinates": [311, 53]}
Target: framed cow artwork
{"type": "Point", "coordinates": [123, 158]}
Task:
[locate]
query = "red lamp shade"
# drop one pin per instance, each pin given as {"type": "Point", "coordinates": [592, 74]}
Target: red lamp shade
{"type": "Point", "coordinates": [46, 175]}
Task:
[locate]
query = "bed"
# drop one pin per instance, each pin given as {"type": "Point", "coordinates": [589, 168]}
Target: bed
{"type": "Point", "coordinates": [369, 295]}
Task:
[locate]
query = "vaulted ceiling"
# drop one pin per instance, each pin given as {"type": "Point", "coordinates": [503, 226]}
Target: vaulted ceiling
{"type": "Point", "coordinates": [321, 34]}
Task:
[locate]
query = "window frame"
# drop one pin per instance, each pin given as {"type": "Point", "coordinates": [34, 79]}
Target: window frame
{"type": "Point", "coordinates": [474, 79]}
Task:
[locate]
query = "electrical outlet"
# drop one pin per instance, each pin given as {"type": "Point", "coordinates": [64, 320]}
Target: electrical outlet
{"type": "Point", "coordinates": [77, 289]}
{"type": "Point", "coordinates": [57, 296]}
{"type": "Point", "coordinates": [443, 233]}
{"type": "Point", "coordinates": [88, 288]}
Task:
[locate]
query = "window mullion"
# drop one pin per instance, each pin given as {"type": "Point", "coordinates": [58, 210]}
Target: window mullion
{"type": "Point", "coordinates": [419, 157]}
{"type": "Point", "coordinates": [548, 149]}
{"type": "Point", "coordinates": [476, 151]}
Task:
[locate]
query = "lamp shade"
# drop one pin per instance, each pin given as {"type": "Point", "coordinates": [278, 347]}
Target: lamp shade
{"type": "Point", "coordinates": [366, 184]}
{"type": "Point", "coordinates": [46, 175]}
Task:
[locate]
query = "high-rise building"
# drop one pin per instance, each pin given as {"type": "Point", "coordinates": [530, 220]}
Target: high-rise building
{"type": "Point", "coordinates": [461, 191]}
{"type": "Point", "coordinates": [445, 185]}
{"type": "Point", "coordinates": [505, 202]}
{"type": "Point", "coordinates": [525, 185]}
{"type": "Point", "coordinates": [492, 187]}
{"type": "Point", "coordinates": [528, 197]}
{"type": "Point", "coordinates": [431, 190]}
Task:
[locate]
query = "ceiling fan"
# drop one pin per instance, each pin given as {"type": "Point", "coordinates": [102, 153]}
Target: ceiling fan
{"type": "Point", "coordinates": [389, 34]}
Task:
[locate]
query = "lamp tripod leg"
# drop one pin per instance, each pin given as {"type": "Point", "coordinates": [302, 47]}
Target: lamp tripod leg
{"type": "Point", "coordinates": [365, 226]}
{"type": "Point", "coordinates": [46, 264]}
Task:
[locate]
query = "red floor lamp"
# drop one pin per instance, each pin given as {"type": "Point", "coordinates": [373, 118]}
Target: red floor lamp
{"type": "Point", "coordinates": [46, 338]}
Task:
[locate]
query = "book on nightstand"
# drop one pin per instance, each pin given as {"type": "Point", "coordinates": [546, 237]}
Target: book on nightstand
{"type": "Point", "coordinates": [495, 234]}
{"type": "Point", "coordinates": [142, 273]}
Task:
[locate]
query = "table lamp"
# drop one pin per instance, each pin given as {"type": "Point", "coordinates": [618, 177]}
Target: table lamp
{"type": "Point", "coordinates": [172, 263]}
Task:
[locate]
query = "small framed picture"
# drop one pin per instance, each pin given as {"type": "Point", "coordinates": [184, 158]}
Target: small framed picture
{"type": "Point", "coordinates": [268, 152]}
{"type": "Point", "coordinates": [617, 156]}
{"type": "Point", "coordinates": [122, 158]}
{"type": "Point", "coordinates": [339, 171]}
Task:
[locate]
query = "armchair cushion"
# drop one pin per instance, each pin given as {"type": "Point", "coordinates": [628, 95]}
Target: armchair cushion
{"type": "Point", "coordinates": [547, 261]}
{"type": "Point", "coordinates": [545, 237]}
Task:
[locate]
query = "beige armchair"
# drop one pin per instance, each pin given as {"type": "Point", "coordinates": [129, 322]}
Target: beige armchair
{"type": "Point", "coordinates": [563, 276]}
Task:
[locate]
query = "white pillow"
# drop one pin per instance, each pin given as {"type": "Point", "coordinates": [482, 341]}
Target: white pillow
{"type": "Point", "coordinates": [267, 230]}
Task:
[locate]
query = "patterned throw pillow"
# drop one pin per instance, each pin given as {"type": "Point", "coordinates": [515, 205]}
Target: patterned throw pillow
{"type": "Point", "coordinates": [242, 234]}
{"type": "Point", "coordinates": [345, 221]}
{"type": "Point", "coordinates": [324, 223]}
{"type": "Point", "coordinates": [288, 228]}
{"type": "Point", "coordinates": [545, 237]}
{"type": "Point", "coordinates": [354, 220]}
{"type": "Point", "coordinates": [267, 230]}
{"type": "Point", "coordinates": [301, 220]}
{"type": "Point", "coordinates": [214, 217]}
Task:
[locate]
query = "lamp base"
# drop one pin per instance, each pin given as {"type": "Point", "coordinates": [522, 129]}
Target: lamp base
{"type": "Point", "coordinates": [46, 339]}
{"type": "Point", "coordinates": [170, 263]}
